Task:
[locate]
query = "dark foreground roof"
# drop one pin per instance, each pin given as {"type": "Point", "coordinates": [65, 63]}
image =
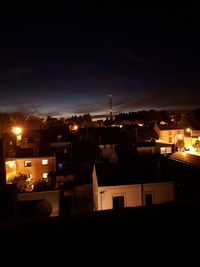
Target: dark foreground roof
{"type": "Point", "coordinates": [162, 235]}
{"type": "Point", "coordinates": [186, 158]}
{"type": "Point", "coordinates": [141, 171]}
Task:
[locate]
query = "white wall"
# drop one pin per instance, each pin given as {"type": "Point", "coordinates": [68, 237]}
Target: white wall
{"type": "Point", "coordinates": [165, 134]}
{"type": "Point", "coordinates": [95, 188]}
{"type": "Point", "coordinates": [131, 193]}
{"type": "Point", "coordinates": [162, 192]}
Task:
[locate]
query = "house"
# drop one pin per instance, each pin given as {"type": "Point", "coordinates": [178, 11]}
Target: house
{"type": "Point", "coordinates": [169, 133]}
{"type": "Point", "coordinates": [116, 185]}
{"type": "Point", "coordinates": [35, 168]}
{"type": "Point", "coordinates": [147, 148]}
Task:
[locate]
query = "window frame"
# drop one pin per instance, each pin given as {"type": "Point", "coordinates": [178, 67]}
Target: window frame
{"type": "Point", "coordinates": [45, 164]}
{"type": "Point", "coordinates": [25, 165]}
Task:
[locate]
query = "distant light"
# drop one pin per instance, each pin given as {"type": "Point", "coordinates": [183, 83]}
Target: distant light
{"type": "Point", "coordinates": [180, 136]}
{"type": "Point", "coordinates": [17, 130]}
{"type": "Point", "coordinates": [158, 141]}
{"type": "Point", "coordinates": [121, 126]}
{"type": "Point", "coordinates": [75, 127]}
{"type": "Point", "coordinates": [11, 164]}
{"type": "Point", "coordinates": [188, 130]}
{"type": "Point", "coordinates": [140, 124]}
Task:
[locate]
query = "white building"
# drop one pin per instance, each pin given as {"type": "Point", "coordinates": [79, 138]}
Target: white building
{"type": "Point", "coordinates": [115, 186]}
{"type": "Point", "coordinates": [169, 134]}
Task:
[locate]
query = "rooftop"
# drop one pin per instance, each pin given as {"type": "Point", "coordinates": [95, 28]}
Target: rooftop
{"type": "Point", "coordinates": [142, 171]}
{"type": "Point", "coordinates": [168, 127]}
{"type": "Point", "coordinates": [186, 158]}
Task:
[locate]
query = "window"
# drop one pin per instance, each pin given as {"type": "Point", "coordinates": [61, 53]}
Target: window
{"type": "Point", "coordinates": [170, 133]}
{"type": "Point", "coordinates": [44, 162]}
{"type": "Point", "coordinates": [45, 175]}
{"type": "Point", "coordinates": [60, 166]}
{"type": "Point", "coordinates": [165, 150]}
{"type": "Point", "coordinates": [118, 202]}
{"type": "Point", "coordinates": [169, 149]}
{"type": "Point", "coordinates": [27, 163]}
{"type": "Point", "coordinates": [170, 139]}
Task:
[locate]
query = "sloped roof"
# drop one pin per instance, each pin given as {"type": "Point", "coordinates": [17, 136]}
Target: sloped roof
{"type": "Point", "coordinates": [168, 127]}
{"type": "Point", "coordinates": [186, 158]}
{"type": "Point", "coordinates": [111, 174]}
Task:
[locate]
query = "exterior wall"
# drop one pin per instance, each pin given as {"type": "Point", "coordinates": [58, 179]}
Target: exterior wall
{"type": "Point", "coordinates": [51, 196]}
{"type": "Point", "coordinates": [95, 188]}
{"type": "Point", "coordinates": [146, 150]}
{"type": "Point", "coordinates": [188, 141]}
{"type": "Point", "coordinates": [134, 195]}
{"type": "Point", "coordinates": [108, 151]}
{"type": "Point", "coordinates": [36, 168]}
{"type": "Point", "coordinates": [131, 193]}
{"type": "Point", "coordinates": [166, 134]}
{"type": "Point", "coordinates": [162, 192]}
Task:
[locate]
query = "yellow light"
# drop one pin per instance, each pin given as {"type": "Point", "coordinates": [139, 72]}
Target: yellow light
{"type": "Point", "coordinates": [121, 126]}
{"type": "Point", "coordinates": [180, 136]}
{"type": "Point", "coordinates": [188, 130]}
{"type": "Point", "coordinates": [11, 164]}
{"type": "Point", "coordinates": [17, 130]}
{"type": "Point", "coordinates": [75, 127]}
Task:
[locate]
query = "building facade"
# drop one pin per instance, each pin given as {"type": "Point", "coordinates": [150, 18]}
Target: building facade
{"type": "Point", "coordinates": [35, 168]}
{"type": "Point", "coordinates": [131, 195]}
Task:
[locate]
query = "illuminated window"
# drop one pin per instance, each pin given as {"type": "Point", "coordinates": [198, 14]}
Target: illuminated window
{"type": "Point", "coordinates": [29, 175]}
{"type": "Point", "coordinates": [169, 149]}
{"type": "Point", "coordinates": [27, 163]}
{"type": "Point", "coordinates": [165, 150]}
{"type": "Point", "coordinates": [170, 139]}
{"type": "Point", "coordinates": [45, 175]}
{"type": "Point", "coordinates": [170, 132]}
{"type": "Point", "coordinates": [44, 162]}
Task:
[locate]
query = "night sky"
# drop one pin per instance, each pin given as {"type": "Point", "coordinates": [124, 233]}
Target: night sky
{"type": "Point", "coordinates": [64, 60]}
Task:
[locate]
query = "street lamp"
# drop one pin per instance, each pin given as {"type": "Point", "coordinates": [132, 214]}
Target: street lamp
{"type": "Point", "coordinates": [190, 131]}
{"type": "Point", "coordinates": [18, 132]}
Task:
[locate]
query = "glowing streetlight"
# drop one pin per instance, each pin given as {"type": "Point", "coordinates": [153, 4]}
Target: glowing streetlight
{"type": "Point", "coordinates": [180, 136]}
{"type": "Point", "coordinates": [75, 127]}
{"type": "Point", "coordinates": [17, 130]}
{"type": "Point", "coordinates": [190, 131]}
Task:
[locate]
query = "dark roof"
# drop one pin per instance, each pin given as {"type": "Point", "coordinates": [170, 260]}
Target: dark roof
{"type": "Point", "coordinates": [168, 127]}
{"type": "Point", "coordinates": [146, 144]}
{"type": "Point", "coordinates": [105, 135]}
{"type": "Point", "coordinates": [186, 158]}
{"type": "Point", "coordinates": [143, 171]}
